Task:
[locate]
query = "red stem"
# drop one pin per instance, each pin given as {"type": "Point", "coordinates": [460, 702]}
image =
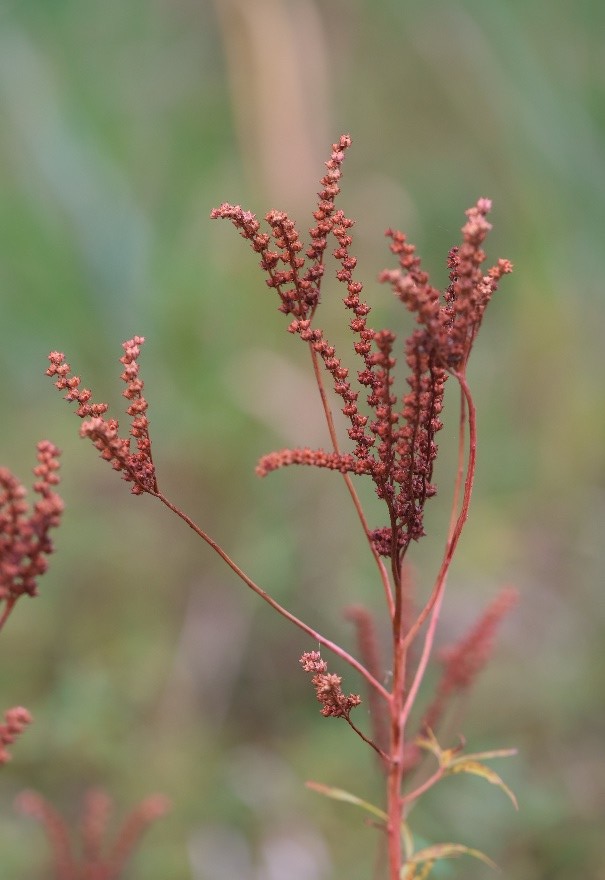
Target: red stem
{"type": "Point", "coordinates": [331, 646]}
{"type": "Point", "coordinates": [395, 773]}
{"type": "Point", "coordinates": [428, 783]}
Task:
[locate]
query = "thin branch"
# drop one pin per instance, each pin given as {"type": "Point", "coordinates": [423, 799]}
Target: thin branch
{"type": "Point", "coordinates": [424, 659]}
{"type": "Point", "coordinates": [460, 468]}
{"type": "Point", "coordinates": [331, 646]}
{"type": "Point", "coordinates": [370, 742]}
{"type": "Point", "coordinates": [428, 783]}
{"type": "Point", "coordinates": [10, 604]}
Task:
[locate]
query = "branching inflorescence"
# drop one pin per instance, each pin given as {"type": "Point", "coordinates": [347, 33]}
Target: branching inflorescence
{"type": "Point", "coordinates": [136, 467]}
{"type": "Point", "coordinates": [24, 539]}
{"type": "Point", "coordinates": [393, 442]}
{"type": "Point", "coordinates": [25, 545]}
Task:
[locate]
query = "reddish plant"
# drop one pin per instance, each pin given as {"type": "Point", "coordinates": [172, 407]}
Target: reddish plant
{"type": "Point", "coordinates": [24, 539]}
{"type": "Point", "coordinates": [94, 858]}
{"type": "Point", "coordinates": [394, 444]}
{"type": "Point", "coordinates": [24, 546]}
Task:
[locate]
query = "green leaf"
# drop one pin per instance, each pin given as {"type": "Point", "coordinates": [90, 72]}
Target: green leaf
{"type": "Point", "coordinates": [339, 794]}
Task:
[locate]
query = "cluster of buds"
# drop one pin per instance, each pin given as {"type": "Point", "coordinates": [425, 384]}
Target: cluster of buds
{"type": "Point", "coordinates": [24, 537]}
{"type": "Point", "coordinates": [136, 467]}
{"type": "Point", "coordinates": [450, 323]}
{"type": "Point", "coordinates": [25, 545]}
{"type": "Point", "coordinates": [396, 444]}
{"type": "Point", "coordinates": [328, 687]}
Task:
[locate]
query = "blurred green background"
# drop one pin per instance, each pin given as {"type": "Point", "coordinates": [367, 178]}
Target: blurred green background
{"type": "Point", "coordinates": [147, 666]}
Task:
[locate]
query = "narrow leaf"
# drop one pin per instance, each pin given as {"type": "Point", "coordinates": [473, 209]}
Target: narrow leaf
{"type": "Point", "coordinates": [339, 794]}
{"type": "Point", "coordinates": [449, 851]}
{"type": "Point", "coordinates": [412, 874]}
{"type": "Point", "coordinates": [486, 756]}
{"type": "Point", "coordinates": [429, 743]}
{"type": "Point", "coordinates": [478, 769]}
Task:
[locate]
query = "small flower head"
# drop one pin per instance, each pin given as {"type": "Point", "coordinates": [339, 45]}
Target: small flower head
{"type": "Point", "coordinates": [328, 687]}
{"type": "Point", "coordinates": [451, 323]}
{"type": "Point", "coordinates": [137, 466]}
{"type": "Point", "coordinates": [25, 542]}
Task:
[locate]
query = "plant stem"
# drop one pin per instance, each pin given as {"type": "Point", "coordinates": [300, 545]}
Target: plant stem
{"type": "Point", "coordinates": [10, 604]}
{"type": "Point", "coordinates": [401, 704]}
{"type": "Point", "coordinates": [367, 740]}
{"type": "Point", "coordinates": [395, 770]}
{"type": "Point", "coordinates": [331, 646]}
{"type": "Point", "coordinates": [428, 783]}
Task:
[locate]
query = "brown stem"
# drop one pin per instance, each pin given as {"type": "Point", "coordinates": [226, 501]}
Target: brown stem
{"type": "Point", "coordinates": [370, 742]}
{"type": "Point", "coordinates": [331, 646]}
{"type": "Point", "coordinates": [10, 604]}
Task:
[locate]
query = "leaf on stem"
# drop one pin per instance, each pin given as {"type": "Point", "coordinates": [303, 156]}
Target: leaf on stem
{"type": "Point", "coordinates": [339, 794]}
{"type": "Point", "coordinates": [451, 761]}
{"type": "Point", "coordinates": [426, 858]}
{"type": "Point", "coordinates": [476, 768]}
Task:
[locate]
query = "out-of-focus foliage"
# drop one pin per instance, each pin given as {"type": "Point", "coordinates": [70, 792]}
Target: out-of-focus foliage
{"type": "Point", "coordinates": [144, 662]}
